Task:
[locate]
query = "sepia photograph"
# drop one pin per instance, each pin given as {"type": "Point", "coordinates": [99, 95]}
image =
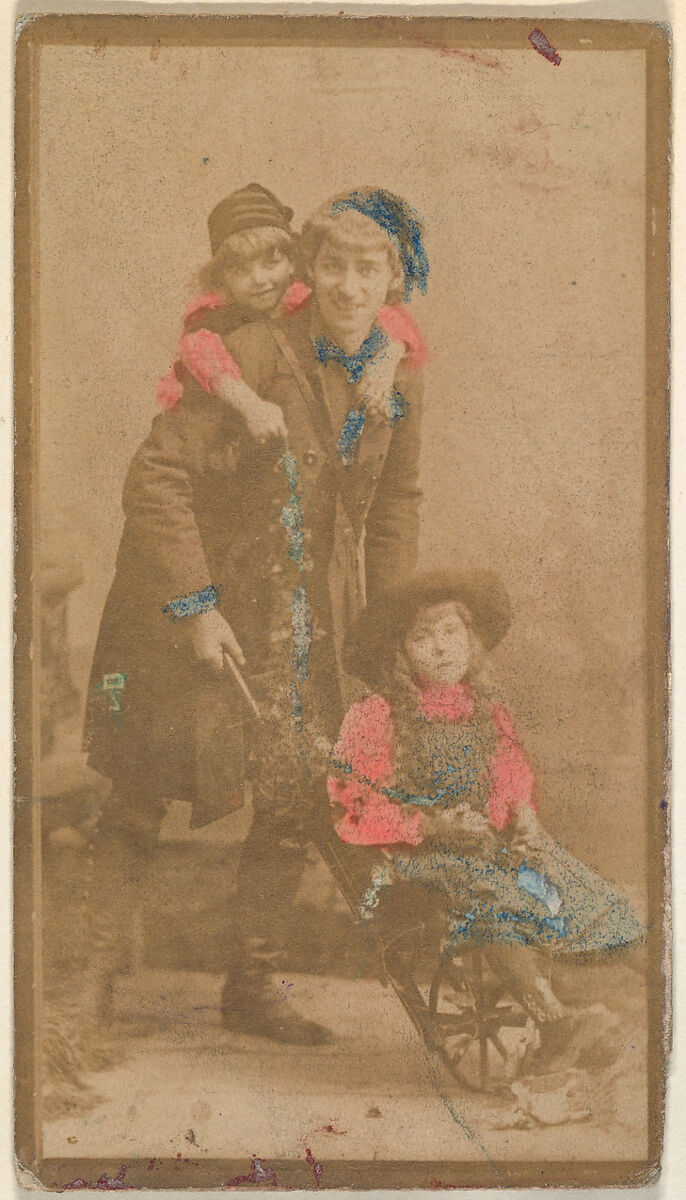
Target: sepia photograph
{"type": "Point", "coordinates": [342, 808]}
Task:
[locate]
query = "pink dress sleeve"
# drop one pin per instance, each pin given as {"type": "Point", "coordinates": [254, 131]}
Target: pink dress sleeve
{"type": "Point", "coordinates": [208, 302]}
{"type": "Point", "coordinates": [169, 390]}
{"type": "Point", "coordinates": [204, 354]}
{"type": "Point", "coordinates": [200, 351]}
{"type": "Point", "coordinates": [396, 321]}
{"type": "Point", "coordinates": [512, 779]}
{"type": "Point", "coordinates": [363, 815]}
{"type": "Point", "coordinates": [296, 298]}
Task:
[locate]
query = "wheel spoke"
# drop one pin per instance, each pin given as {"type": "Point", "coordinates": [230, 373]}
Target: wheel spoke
{"type": "Point", "coordinates": [453, 973]}
{"type": "Point", "coordinates": [500, 1046]}
{"type": "Point", "coordinates": [470, 1009]}
{"type": "Point", "coordinates": [456, 1022]}
{"type": "Point", "coordinates": [455, 1054]}
{"type": "Point", "coordinates": [483, 1059]}
{"type": "Point", "coordinates": [454, 1002]}
{"type": "Point", "coordinates": [493, 1023]}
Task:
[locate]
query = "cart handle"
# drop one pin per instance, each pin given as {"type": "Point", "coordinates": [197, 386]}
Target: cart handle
{"type": "Point", "coordinates": [245, 690]}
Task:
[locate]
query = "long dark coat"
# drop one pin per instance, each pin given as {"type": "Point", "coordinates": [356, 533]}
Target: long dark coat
{"type": "Point", "coordinates": [200, 502]}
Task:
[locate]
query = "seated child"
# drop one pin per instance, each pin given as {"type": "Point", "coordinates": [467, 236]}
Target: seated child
{"type": "Point", "coordinates": [430, 769]}
{"type": "Point", "coordinates": [251, 276]}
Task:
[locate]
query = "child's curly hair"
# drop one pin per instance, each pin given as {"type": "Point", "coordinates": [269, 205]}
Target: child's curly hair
{"type": "Point", "coordinates": [239, 248]}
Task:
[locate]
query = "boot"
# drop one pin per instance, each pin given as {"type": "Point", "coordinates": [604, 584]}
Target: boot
{"type": "Point", "coordinates": [250, 1002]}
{"type": "Point", "coordinates": [116, 868]}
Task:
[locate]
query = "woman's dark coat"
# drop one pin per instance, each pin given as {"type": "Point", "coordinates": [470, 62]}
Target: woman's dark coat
{"type": "Point", "coordinates": [202, 507]}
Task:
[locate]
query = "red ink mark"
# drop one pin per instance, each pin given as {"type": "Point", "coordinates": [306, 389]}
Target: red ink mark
{"type": "Point", "coordinates": [179, 1159]}
{"type": "Point", "coordinates": [151, 1164]}
{"type": "Point", "coordinates": [541, 44]}
{"type": "Point", "coordinates": [331, 1128]}
{"type": "Point", "coordinates": [317, 1168]}
{"type": "Point", "coordinates": [259, 1174]}
{"type": "Point", "coordinates": [106, 1183]}
{"type": "Point", "coordinates": [479, 60]}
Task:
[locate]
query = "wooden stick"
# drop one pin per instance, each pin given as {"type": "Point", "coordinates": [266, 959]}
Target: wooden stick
{"type": "Point", "coordinates": [240, 680]}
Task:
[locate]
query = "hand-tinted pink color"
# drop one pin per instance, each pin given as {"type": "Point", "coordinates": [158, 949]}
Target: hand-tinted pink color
{"type": "Point", "coordinates": [297, 296]}
{"type": "Point", "coordinates": [169, 390]}
{"type": "Point", "coordinates": [207, 302]}
{"type": "Point", "coordinates": [204, 354]}
{"type": "Point", "coordinates": [447, 702]}
{"type": "Point", "coordinates": [396, 321]}
{"type": "Point", "coordinates": [366, 745]}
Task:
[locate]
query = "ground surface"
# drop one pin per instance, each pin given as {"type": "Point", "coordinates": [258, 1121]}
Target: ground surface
{"type": "Point", "coordinates": [191, 1087]}
{"type": "Point", "coordinates": [178, 1083]}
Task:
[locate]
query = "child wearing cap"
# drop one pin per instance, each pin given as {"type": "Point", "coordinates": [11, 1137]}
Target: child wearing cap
{"type": "Point", "coordinates": [251, 269]}
{"type": "Point", "coordinates": [429, 768]}
{"type": "Point", "coordinates": [251, 276]}
{"type": "Point", "coordinates": [233, 556]}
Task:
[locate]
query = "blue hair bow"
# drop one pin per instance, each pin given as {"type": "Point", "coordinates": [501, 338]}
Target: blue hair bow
{"type": "Point", "coordinates": [402, 223]}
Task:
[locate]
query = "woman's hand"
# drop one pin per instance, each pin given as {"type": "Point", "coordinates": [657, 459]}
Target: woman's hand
{"type": "Point", "coordinates": [526, 831]}
{"type": "Point", "coordinates": [211, 637]}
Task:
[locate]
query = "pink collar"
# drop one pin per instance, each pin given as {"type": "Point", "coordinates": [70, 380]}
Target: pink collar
{"type": "Point", "coordinates": [447, 702]}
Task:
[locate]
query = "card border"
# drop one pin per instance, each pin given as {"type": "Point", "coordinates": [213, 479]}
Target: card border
{"type": "Point", "coordinates": [441, 32]}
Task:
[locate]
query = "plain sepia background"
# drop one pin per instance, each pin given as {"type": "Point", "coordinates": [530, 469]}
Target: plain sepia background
{"type": "Point", "coordinates": [531, 184]}
{"type": "Point", "coordinates": [131, 371]}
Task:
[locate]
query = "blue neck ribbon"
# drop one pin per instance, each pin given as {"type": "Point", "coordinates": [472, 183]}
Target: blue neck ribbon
{"type": "Point", "coordinates": [354, 364]}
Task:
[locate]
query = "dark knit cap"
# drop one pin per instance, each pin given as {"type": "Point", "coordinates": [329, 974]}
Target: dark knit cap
{"type": "Point", "coordinates": [245, 209]}
{"type": "Point", "coordinates": [376, 635]}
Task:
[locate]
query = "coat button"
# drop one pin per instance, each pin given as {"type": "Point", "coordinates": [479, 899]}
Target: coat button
{"type": "Point", "coordinates": [310, 457]}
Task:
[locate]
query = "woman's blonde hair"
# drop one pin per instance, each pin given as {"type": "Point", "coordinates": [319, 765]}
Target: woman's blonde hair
{"type": "Point", "coordinates": [240, 248]}
{"type": "Point", "coordinates": [345, 229]}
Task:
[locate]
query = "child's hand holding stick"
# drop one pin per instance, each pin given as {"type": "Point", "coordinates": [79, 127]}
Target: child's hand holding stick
{"type": "Point", "coordinates": [264, 420]}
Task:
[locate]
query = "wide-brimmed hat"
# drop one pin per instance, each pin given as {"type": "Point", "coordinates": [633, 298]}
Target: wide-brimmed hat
{"type": "Point", "coordinates": [374, 639]}
{"type": "Point", "coordinates": [247, 208]}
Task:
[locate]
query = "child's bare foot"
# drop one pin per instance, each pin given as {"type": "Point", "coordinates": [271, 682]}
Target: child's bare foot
{"type": "Point", "coordinates": [583, 1036]}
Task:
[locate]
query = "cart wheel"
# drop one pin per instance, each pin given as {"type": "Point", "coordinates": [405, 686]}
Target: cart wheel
{"type": "Point", "coordinates": [480, 1036]}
